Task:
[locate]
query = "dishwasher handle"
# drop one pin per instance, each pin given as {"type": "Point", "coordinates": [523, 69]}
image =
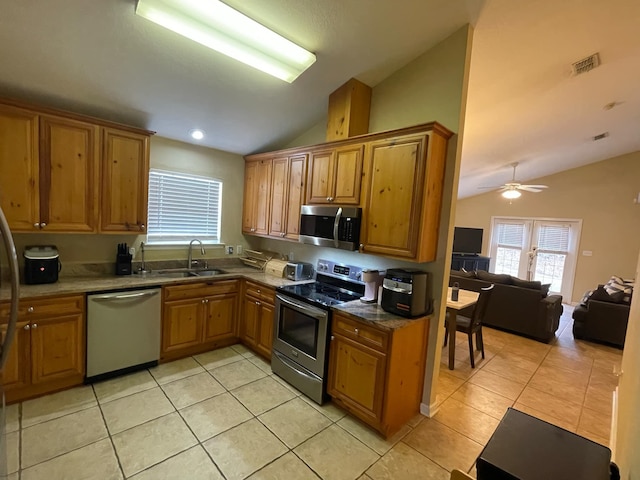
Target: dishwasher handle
{"type": "Point", "coordinates": [125, 296]}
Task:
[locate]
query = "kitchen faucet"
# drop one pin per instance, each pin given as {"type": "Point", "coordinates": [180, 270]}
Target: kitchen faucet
{"type": "Point", "coordinates": [142, 268]}
{"type": "Point", "coordinates": [190, 260]}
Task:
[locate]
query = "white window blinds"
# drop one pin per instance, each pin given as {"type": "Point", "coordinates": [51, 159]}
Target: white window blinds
{"type": "Point", "coordinates": [510, 234]}
{"type": "Point", "coordinates": [554, 238]}
{"type": "Point", "coordinates": [183, 207]}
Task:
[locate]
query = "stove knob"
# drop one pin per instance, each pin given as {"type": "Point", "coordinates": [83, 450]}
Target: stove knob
{"type": "Point", "coordinates": [359, 276]}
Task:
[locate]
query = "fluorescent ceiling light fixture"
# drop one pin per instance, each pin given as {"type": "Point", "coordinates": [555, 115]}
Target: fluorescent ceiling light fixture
{"type": "Point", "coordinates": [196, 134]}
{"type": "Point", "coordinates": [510, 194]}
{"type": "Point", "coordinates": [221, 28]}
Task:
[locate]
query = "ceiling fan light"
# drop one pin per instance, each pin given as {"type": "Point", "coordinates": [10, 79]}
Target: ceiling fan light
{"type": "Point", "coordinates": [225, 30]}
{"type": "Point", "coordinates": [511, 194]}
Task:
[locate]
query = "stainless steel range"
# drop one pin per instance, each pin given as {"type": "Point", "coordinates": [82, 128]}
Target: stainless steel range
{"type": "Point", "coordinates": [303, 323]}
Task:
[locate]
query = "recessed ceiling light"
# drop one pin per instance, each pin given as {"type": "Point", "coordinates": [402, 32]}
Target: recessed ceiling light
{"type": "Point", "coordinates": [196, 134]}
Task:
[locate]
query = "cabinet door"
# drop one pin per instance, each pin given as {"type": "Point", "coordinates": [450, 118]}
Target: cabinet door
{"type": "Point", "coordinates": [57, 348]}
{"type": "Point", "coordinates": [356, 377]}
{"type": "Point", "coordinates": [263, 197]}
{"type": "Point", "coordinates": [279, 192]}
{"type": "Point", "coordinates": [347, 175]}
{"type": "Point", "coordinates": [297, 174]}
{"type": "Point", "coordinates": [125, 181]}
{"type": "Point", "coordinates": [19, 184]}
{"type": "Point", "coordinates": [320, 177]}
{"type": "Point", "coordinates": [264, 338]}
{"type": "Point", "coordinates": [68, 175]}
{"type": "Point", "coordinates": [17, 371]}
{"type": "Point", "coordinates": [250, 193]}
{"type": "Point", "coordinates": [182, 324]}
{"type": "Point", "coordinates": [393, 207]}
{"type": "Point", "coordinates": [220, 317]}
{"type": "Point", "coordinates": [249, 322]}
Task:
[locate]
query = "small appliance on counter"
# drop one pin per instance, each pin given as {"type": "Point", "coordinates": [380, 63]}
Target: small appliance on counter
{"type": "Point", "coordinates": [406, 292]}
{"type": "Point", "coordinates": [372, 280]}
{"type": "Point", "coordinates": [123, 260]}
{"type": "Point", "coordinates": [41, 264]}
{"type": "Point", "coordinates": [276, 268]}
{"type": "Point", "coordinates": [299, 271]}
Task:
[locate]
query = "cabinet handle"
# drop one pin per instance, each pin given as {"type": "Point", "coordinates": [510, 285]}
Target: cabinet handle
{"type": "Point", "coordinates": [282, 234]}
{"type": "Point", "coordinates": [30, 309]}
{"type": "Point", "coordinates": [206, 300]}
{"type": "Point", "coordinates": [202, 301]}
{"type": "Point", "coordinates": [36, 225]}
{"type": "Point", "coordinates": [142, 226]}
{"type": "Point", "coordinates": [362, 247]}
{"type": "Point", "coordinates": [332, 337]}
{"type": "Point", "coordinates": [42, 225]}
{"type": "Point", "coordinates": [258, 303]}
{"type": "Point", "coordinates": [356, 330]}
{"type": "Point", "coordinates": [27, 327]}
{"type": "Point", "coordinates": [35, 325]}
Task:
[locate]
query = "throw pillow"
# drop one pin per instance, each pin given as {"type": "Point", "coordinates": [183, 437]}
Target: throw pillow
{"type": "Point", "coordinates": [617, 284]}
{"type": "Point", "coordinates": [586, 297]}
{"type": "Point", "coordinates": [533, 285]}
{"type": "Point", "coordinates": [493, 277]}
{"type": "Point", "coordinates": [601, 295]}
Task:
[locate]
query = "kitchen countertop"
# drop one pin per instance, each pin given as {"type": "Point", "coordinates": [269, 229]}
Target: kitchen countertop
{"type": "Point", "coordinates": [368, 312]}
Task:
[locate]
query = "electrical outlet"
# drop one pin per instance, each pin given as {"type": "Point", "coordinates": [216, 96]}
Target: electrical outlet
{"type": "Point", "coordinates": [132, 251]}
{"type": "Point", "coordinates": [239, 250]}
{"type": "Point", "coordinates": [229, 250]}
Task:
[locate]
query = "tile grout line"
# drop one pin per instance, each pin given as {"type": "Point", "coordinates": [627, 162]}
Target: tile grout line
{"type": "Point", "coordinates": [113, 446]}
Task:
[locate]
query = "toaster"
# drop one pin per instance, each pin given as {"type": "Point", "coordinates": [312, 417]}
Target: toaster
{"type": "Point", "coordinates": [41, 264]}
{"type": "Point", "coordinates": [405, 292]}
{"type": "Point", "coordinates": [298, 271]}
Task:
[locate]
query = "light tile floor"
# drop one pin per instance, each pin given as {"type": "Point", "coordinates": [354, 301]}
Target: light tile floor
{"type": "Point", "coordinates": [223, 415]}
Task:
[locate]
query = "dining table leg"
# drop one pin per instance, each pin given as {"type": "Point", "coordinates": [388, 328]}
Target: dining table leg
{"type": "Point", "coordinates": [452, 338]}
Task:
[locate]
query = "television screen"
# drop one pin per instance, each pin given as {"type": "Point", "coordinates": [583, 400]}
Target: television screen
{"type": "Point", "coordinates": [467, 241]}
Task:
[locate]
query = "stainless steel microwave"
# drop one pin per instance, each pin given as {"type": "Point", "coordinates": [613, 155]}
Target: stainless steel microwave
{"type": "Point", "coordinates": [330, 226]}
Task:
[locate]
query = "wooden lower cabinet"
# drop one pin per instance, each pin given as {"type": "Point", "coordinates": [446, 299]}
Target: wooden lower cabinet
{"type": "Point", "coordinates": [258, 314]}
{"type": "Point", "coordinates": [377, 374]}
{"type": "Point", "coordinates": [48, 352]}
{"type": "Point", "coordinates": [197, 317]}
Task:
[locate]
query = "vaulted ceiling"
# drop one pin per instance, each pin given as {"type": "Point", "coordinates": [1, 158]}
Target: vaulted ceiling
{"type": "Point", "coordinates": [97, 57]}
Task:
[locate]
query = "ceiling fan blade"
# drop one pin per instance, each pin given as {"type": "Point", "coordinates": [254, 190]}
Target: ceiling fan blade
{"type": "Point", "coordinates": [528, 188]}
{"type": "Point", "coordinates": [494, 187]}
{"type": "Point", "coordinates": [536, 186]}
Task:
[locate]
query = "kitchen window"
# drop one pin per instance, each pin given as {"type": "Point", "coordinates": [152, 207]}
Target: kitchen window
{"type": "Point", "coordinates": [183, 207]}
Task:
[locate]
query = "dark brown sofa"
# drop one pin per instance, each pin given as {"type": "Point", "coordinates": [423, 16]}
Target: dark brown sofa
{"type": "Point", "coordinates": [602, 318]}
{"type": "Point", "coordinates": [516, 305]}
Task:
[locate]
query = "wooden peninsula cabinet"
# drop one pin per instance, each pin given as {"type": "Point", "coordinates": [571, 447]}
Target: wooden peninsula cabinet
{"type": "Point", "coordinates": [258, 313]}
{"type": "Point", "coordinates": [48, 353]}
{"type": "Point", "coordinates": [197, 317]}
{"type": "Point", "coordinates": [377, 374]}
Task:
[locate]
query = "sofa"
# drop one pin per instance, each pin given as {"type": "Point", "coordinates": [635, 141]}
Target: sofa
{"type": "Point", "coordinates": [603, 313]}
{"type": "Point", "coordinates": [518, 306]}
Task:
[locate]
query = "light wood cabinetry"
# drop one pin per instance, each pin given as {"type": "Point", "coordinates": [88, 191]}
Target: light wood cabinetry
{"type": "Point", "coordinates": [61, 172]}
{"type": "Point", "coordinates": [125, 181]}
{"type": "Point", "coordinates": [198, 317]}
{"type": "Point", "coordinates": [349, 108]}
{"type": "Point", "coordinates": [49, 349]}
{"type": "Point", "coordinates": [256, 327]}
{"type": "Point", "coordinates": [287, 195]}
{"type": "Point", "coordinates": [257, 197]}
{"type": "Point", "coordinates": [335, 176]}
{"type": "Point", "coordinates": [377, 374]}
{"type": "Point", "coordinates": [401, 210]}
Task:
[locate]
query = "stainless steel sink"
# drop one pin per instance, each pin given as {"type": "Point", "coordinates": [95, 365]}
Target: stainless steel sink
{"type": "Point", "coordinates": [184, 272]}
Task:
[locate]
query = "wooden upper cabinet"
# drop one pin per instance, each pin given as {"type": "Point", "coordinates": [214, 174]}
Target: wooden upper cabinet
{"type": "Point", "coordinates": [257, 197]}
{"type": "Point", "coordinates": [19, 176]}
{"type": "Point", "coordinates": [69, 175]}
{"type": "Point", "coordinates": [295, 197]}
{"type": "Point", "coordinates": [125, 179]}
{"type": "Point", "coordinates": [401, 212]}
{"type": "Point", "coordinates": [287, 195]}
{"type": "Point", "coordinates": [279, 192]}
{"type": "Point", "coordinates": [335, 176]}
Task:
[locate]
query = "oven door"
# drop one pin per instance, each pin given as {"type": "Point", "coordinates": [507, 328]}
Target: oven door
{"type": "Point", "coordinates": [300, 333]}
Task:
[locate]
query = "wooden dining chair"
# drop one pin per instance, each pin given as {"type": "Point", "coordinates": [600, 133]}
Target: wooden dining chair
{"type": "Point", "coordinates": [472, 325]}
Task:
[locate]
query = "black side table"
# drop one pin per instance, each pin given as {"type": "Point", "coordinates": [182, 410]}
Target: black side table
{"type": "Point", "coordinates": [526, 448]}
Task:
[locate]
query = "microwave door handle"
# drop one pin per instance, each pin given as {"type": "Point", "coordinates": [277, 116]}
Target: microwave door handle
{"type": "Point", "coordinates": [10, 247]}
{"type": "Point", "coordinates": [336, 224]}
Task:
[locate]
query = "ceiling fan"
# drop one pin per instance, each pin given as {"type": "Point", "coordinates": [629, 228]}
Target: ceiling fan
{"type": "Point", "coordinates": [512, 189]}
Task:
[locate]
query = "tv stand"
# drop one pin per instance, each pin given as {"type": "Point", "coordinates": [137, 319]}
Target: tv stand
{"type": "Point", "coordinates": [469, 262]}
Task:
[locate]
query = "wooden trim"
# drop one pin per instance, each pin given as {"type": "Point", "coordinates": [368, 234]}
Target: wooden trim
{"type": "Point", "coordinates": [202, 348]}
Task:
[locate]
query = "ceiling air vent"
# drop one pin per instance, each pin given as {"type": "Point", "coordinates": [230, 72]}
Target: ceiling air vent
{"type": "Point", "coordinates": [601, 136]}
{"type": "Point", "coordinates": [586, 64]}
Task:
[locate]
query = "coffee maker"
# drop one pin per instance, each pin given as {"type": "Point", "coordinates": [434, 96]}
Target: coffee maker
{"type": "Point", "coordinates": [372, 280]}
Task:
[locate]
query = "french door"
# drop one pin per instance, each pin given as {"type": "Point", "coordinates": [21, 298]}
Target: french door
{"type": "Point", "coordinates": [536, 249]}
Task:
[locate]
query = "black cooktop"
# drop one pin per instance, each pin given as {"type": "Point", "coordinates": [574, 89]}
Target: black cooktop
{"type": "Point", "coordinates": [323, 293]}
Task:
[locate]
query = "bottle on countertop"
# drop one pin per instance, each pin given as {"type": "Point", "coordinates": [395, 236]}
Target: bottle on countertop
{"type": "Point", "coordinates": [455, 290]}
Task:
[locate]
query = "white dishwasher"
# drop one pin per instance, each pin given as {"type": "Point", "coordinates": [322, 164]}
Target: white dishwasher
{"type": "Point", "coordinates": [123, 332]}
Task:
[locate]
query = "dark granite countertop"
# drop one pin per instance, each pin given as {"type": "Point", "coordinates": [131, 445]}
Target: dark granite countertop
{"type": "Point", "coordinates": [373, 313]}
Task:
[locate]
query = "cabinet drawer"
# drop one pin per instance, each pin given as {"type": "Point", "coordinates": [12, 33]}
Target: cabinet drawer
{"type": "Point", "coordinates": [361, 332]}
{"type": "Point", "coordinates": [266, 294]}
{"type": "Point", "coordinates": [199, 290]}
{"type": "Point", "coordinates": [44, 307]}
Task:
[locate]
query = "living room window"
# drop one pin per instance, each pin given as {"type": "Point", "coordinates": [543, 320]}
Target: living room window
{"type": "Point", "coordinates": [536, 249]}
{"type": "Point", "coordinates": [183, 207]}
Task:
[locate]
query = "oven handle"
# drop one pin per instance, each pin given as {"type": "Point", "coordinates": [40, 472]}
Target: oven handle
{"type": "Point", "coordinates": [303, 308]}
{"type": "Point", "coordinates": [293, 366]}
{"type": "Point", "coordinates": [336, 224]}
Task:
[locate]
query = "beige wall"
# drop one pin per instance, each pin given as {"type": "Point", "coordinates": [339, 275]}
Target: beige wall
{"type": "Point", "coordinates": [432, 87]}
{"type": "Point", "coordinates": [600, 194]}
{"type": "Point", "coordinates": [170, 155]}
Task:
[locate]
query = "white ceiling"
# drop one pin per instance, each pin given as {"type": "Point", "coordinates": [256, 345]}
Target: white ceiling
{"type": "Point", "coordinates": [97, 57]}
